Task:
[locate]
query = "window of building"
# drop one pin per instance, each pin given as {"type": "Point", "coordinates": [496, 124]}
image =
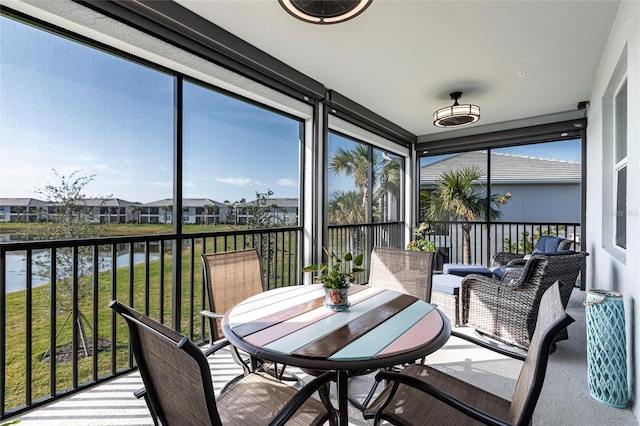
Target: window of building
{"type": "Point", "coordinates": [620, 168]}
{"type": "Point", "coordinates": [614, 162]}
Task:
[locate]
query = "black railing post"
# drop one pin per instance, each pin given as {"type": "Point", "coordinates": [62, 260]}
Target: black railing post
{"type": "Point", "coordinates": [3, 325]}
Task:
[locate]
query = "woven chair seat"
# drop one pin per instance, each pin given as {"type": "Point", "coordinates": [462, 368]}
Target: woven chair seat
{"type": "Point", "coordinates": [410, 408]}
{"type": "Point", "coordinates": [256, 398]}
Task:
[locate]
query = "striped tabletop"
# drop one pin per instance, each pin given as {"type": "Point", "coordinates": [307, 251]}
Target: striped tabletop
{"type": "Point", "coordinates": [291, 325]}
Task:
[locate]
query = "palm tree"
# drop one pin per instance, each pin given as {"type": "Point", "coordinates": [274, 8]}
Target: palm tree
{"type": "Point", "coordinates": [459, 196]}
{"type": "Point", "coordinates": [344, 209]}
{"type": "Point", "coordinates": [355, 162]}
{"type": "Point", "coordinates": [135, 214]}
{"type": "Point", "coordinates": [165, 210]}
{"type": "Point", "coordinates": [208, 209]}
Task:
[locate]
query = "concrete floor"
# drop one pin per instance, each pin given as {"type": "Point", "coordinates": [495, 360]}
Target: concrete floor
{"type": "Point", "coordinates": [565, 398]}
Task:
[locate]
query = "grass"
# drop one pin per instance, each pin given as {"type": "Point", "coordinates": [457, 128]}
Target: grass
{"type": "Point", "coordinates": [119, 229]}
{"type": "Point", "coordinates": [134, 292]}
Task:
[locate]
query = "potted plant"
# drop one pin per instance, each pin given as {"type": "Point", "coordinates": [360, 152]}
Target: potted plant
{"type": "Point", "coordinates": [421, 242]}
{"type": "Point", "coordinates": [336, 276]}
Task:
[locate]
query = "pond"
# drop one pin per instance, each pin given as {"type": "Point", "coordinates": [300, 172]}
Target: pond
{"type": "Point", "coordinates": [16, 276]}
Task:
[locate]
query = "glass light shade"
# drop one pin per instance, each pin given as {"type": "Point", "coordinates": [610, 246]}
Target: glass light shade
{"type": "Point", "coordinates": [456, 115]}
{"type": "Point", "coordinates": [325, 11]}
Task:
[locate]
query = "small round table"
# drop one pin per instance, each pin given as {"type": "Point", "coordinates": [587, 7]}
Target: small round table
{"type": "Point", "coordinates": [382, 328]}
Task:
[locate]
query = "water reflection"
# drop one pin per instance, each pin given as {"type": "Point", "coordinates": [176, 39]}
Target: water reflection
{"type": "Point", "coordinates": [16, 265]}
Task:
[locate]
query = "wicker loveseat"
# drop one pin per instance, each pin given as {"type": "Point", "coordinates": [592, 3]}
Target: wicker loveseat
{"type": "Point", "coordinates": [506, 309]}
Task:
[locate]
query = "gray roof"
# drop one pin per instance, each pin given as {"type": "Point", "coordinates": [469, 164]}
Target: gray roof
{"type": "Point", "coordinates": [106, 202]}
{"type": "Point", "coordinates": [22, 202]}
{"type": "Point", "coordinates": [507, 168]}
{"type": "Point", "coordinates": [186, 202]}
{"type": "Point", "coordinates": [280, 202]}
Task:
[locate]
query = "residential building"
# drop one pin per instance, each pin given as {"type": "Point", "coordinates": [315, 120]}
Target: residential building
{"type": "Point", "coordinates": [542, 189]}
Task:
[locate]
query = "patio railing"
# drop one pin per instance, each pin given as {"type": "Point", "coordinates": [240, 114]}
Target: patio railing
{"type": "Point", "coordinates": [49, 326]}
{"type": "Point", "coordinates": [54, 313]}
{"type": "Point", "coordinates": [485, 241]}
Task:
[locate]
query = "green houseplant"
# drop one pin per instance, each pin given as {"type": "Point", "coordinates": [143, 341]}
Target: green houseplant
{"type": "Point", "coordinates": [421, 242]}
{"type": "Point", "coordinates": [336, 276]}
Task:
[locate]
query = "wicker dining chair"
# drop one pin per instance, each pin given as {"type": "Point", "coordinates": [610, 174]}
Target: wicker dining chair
{"type": "Point", "coordinates": [406, 271]}
{"type": "Point", "coordinates": [231, 277]}
{"type": "Point", "coordinates": [422, 395]}
{"type": "Point", "coordinates": [179, 388]}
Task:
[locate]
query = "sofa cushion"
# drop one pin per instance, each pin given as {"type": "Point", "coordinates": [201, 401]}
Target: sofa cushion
{"type": "Point", "coordinates": [547, 244]}
{"type": "Point", "coordinates": [464, 270]}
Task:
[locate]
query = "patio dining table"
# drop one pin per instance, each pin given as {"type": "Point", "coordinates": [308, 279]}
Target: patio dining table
{"type": "Point", "coordinates": [381, 328]}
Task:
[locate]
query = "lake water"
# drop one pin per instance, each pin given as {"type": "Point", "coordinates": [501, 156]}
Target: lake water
{"type": "Point", "coordinates": [16, 269]}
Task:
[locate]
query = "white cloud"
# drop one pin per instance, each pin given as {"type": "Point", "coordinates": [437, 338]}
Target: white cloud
{"type": "Point", "coordinates": [287, 182]}
{"type": "Point", "coordinates": [235, 181]}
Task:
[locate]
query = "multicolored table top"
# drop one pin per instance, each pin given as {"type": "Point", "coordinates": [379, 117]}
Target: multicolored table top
{"type": "Point", "coordinates": [291, 325]}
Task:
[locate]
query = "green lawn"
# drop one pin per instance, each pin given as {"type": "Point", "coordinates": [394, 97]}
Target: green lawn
{"type": "Point", "coordinates": [120, 229]}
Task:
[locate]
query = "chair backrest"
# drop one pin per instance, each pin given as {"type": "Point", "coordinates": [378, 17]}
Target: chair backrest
{"type": "Point", "coordinates": [230, 278]}
{"type": "Point", "coordinates": [551, 244]}
{"type": "Point", "coordinates": [551, 319]}
{"type": "Point", "coordinates": [564, 268]}
{"type": "Point", "coordinates": [406, 271]}
{"type": "Point", "coordinates": [179, 395]}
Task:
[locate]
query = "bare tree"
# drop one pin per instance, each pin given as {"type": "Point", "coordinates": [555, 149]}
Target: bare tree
{"type": "Point", "coordinates": [73, 222]}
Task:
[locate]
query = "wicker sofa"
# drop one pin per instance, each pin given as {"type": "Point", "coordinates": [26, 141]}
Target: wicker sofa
{"type": "Point", "coordinates": [506, 309]}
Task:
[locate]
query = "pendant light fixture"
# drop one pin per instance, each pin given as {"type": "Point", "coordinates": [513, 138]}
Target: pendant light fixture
{"type": "Point", "coordinates": [325, 11]}
{"type": "Point", "coordinates": [456, 114]}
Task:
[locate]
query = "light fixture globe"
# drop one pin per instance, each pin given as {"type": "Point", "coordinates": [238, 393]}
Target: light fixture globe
{"type": "Point", "coordinates": [325, 11]}
{"type": "Point", "coordinates": [456, 114]}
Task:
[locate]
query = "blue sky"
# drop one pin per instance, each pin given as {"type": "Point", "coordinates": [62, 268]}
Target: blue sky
{"type": "Point", "coordinates": [68, 107]}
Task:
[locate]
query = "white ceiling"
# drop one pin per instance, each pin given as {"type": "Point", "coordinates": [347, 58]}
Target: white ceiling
{"type": "Point", "coordinates": [402, 58]}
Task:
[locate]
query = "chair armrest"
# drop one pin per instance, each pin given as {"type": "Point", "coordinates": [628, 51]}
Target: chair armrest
{"type": "Point", "coordinates": [398, 378]}
{"type": "Point", "coordinates": [301, 396]}
{"type": "Point", "coordinates": [490, 346]}
{"type": "Point", "coordinates": [212, 315]}
{"type": "Point", "coordinates": [516, 263]}
{"type": "Point", "coordinates": [216, 347]}
{"type": "Point", "coordinates": [140, 393]}
{"type": "Point", "coordinates": [502, 258]}
{"type": "Point", "coordinates": [477, 279]}
{"type": "Point", "coordinates": [213, 328]}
